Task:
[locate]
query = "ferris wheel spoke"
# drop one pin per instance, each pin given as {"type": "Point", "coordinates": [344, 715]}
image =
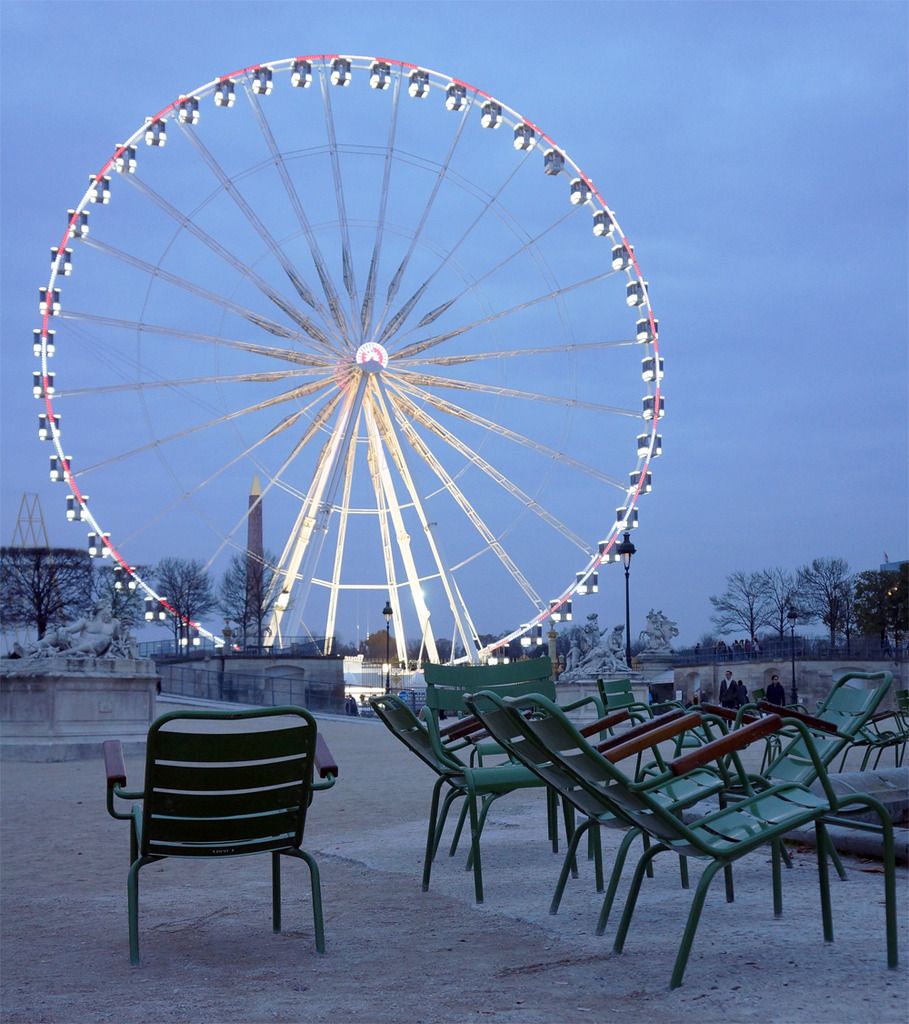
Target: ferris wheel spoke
{"type": "Point", "coordinates": [502, 479]}
{"type": "Point", "coordinates": [400, 316]}
{"type": "Point", "coordinates": [316, 507]}
{"type": "Point", "coordinates": [370, 294]}
{"type": "Point", "coordinates": [518, 438]}
{"type": "Point", "coordinates": [375, 427]}
{"type": "Point", "coordinates": [268, 376]}
{"type": "Point", "coordinates": [328, 288]}
{"type": "Point", "coordinates": [287, 396]}
{"type": "Point", "coordinates": [382, 511]}
{"type": "Point", "coordinates": [189, 225]}
{"type": "Point", "coordinates": [534, 350]}
{"type": "Point", "coordinates": [421, 346]}
{"type": "Point", "coordinates": [398, 276]}
{"type": "Point", "coordinates": [343, 514]}
{"type": "Point", "coordinates": [262, 231]}
{"type": "Point", "coordinates": [215, 298]}
{"type": "Point", "coordinates": [315, 426]}
{"type": "Point", "coordinates": [444, 307]}
{"type": "Point", "coordinates": [429, 380]}
{"type": "Point", "coordinates": [492, 542]}
{"type": "Point", "coordinates": [184, 496]}
{"type": "Point", "coordinates": [350, 283]}
{"type": "Point", "coordinates": [460, 614]}
{"type": "Point", "coordinates": [284, 354]}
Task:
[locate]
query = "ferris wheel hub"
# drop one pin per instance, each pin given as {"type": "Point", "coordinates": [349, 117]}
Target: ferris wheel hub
{"type": "Point", "coordinates": [372, 357]}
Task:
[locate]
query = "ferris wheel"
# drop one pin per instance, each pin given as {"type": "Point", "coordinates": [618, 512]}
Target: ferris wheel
{"type": "Point", "coordinates": [397, 302]}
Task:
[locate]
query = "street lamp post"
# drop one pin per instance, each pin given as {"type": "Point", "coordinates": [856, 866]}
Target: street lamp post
{"type": "Point", "coordinates": [792, 615]}
{"type": "Point", "coordinates": [387, 611]}
{"type": "Point", "coordinates": [626, 549]}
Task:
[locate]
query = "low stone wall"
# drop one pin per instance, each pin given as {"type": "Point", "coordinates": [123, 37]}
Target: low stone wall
{"type": "Point", "coordinates": [62, 709]}
{"type": "Point", "coordinates": [813, 678]}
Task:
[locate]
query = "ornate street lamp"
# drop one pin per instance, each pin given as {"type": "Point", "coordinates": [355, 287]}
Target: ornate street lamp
{"type": "Point", "coordinates": [625, 550]}
{"type": "Point", "coordinates": [793, 616]}
{"type": "Point", "coordinates": [387, 611]}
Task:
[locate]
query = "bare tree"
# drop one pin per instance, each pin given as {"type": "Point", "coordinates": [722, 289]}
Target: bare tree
{"type": "Point", "coordinates": [744, 605]}
{"type": "Point", "coordinates": [187, 587]}
{"type": "Point", "coordinates": [822, 592]}
{"type": "Point", "coordinates": [781, 589]}
{"type": "Point", "coordinates": [43, 586]}
{"type": "Point", "coordinates": [243, 595]}
{"type": "Point", "coordinates": [112, 587]}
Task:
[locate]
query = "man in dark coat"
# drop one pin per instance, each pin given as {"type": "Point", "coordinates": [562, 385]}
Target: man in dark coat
{"type": "Point", "coordinates": [775, 692]}
{"type": "Point", "coordinates": [727, 690]}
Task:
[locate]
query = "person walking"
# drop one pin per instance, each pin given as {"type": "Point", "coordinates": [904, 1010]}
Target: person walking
{"type": "Point", "coordinates": [775, 692]}
{"type": "Point", "coordinates": [727, 690]}
{"type": "Point", "coordinates": [741, 695]}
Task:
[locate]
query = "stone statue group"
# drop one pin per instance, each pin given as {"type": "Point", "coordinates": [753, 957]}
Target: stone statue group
{"type": "Point", "coordinates": [98, 635]}
{"type": "Point", "coordinates": [594, 652]}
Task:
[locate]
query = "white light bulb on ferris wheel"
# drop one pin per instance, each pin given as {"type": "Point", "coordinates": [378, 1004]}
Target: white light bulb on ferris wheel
{"type": "Point", "coordinates": [414, 374]}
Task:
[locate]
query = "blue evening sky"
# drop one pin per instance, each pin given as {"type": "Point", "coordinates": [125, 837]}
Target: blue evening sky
{"type": "Point", "coordinates": [756, 154]}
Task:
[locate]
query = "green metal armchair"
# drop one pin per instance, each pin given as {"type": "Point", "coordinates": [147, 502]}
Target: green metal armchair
{"type": "Point", "coordinates": [722, 836]}
{"type": "Point", "coordinates": [223, 784]}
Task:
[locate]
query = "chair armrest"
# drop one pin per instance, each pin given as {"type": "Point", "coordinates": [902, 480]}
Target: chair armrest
{"type": "Point", "coordinates": [325, 764]}
{"type": "Point", "coordinates": [662, 730]}
{"type": "Point", "coordinates": [810, 720]}
{"type": "Point", "coordinates": [114, 765]}
{"type": "Point", "coordinates": [727, 713]}
{"type": "Point", "coordinates": [639, 730]}
{"type": "Point", "coordinates": [461, 728]}
{"type": "Point", "coordinates": [737, 740]}
{"type": "Point", "coordinates": [606, 723]}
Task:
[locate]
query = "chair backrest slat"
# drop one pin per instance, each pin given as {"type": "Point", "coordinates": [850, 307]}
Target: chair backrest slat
{"type": "Point", "coordinates": [218, 746]}
{"type": "Point", "coordinates": [246, 776]}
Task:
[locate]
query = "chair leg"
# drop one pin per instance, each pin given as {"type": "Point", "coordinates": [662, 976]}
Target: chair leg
{"type": "Point", "coordinates": [730, 883]}
{"type": "Point", "coordinates": [691, 925]}
{"type": "Point", "coordinates": [632, 898]}
{"type": "Point", "coordinates": [552, 818]}
{"type": "Point", "coordinates": [450, 798]}
{"type": "Point", "coordinates": [823, 877]}
{"type": "Point", "coordinates": [431, 836]}
{"type": "Point", "coordinates": [617, 866]}
{"type": "Point", "coordinates": [275, 891]}
{"type": "Point", "coordinates": [645, 839]}
{"type": "Point", "coordinates": [683, 871]}
{"type": "Point", "coordinates": [776, 870]}
{"type": "Point", "coordinates": [596, 839]}
{"type": "Point", "coordinates": [835, 857]}
{"type": "Point", "coordinates": [132, 900]}
{"type": "Point", "coordinates": [484, 811]}
{"type": "Point", "coordinates": [459, 828]}
{"type": "Point", "coordinates": [475, 846]}
{"type": "Point", "coordinates": [566, 866]}
{"type": "Point", "coordinates": [316, 887]}
{"type": "Point", "coordinates": [568, 817]}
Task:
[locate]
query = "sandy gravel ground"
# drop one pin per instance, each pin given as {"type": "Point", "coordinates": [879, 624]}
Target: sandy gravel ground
{"type": "Point", "coordinates": [397, 955]}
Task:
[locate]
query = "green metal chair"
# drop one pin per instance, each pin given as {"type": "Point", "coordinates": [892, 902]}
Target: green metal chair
{"type": "Point", "coordinates": [223, 784]}
{"type": "Point", "coordinates": [503, 718]}
{"type": "Point", "coordinates": [722, 836]}
{"type": "Point", "coordinates": [617, 694]}
{"type": "Point", "coordinates": [479, 786]}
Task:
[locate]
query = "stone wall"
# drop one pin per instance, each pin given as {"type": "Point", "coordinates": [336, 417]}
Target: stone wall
{"type": "Point", "coordinates": [313, 683]}
{"type": "Point", "coordinates": [61, 709]}
{"type": "Point", "coordinates": [813, 678]}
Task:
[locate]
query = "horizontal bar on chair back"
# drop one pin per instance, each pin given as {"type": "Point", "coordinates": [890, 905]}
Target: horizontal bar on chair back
{"type": "Point", "coordinates": [810, 720]}
{"type": "Point", "coordinates": [727, 713]}
{"type": "Point", "coordinates": [665, 730]}
{"type": "Point", "coordinates": [640, 730]}
{"type": "Point", "coordinates": [606, 723]}
{"type": "Point", "coordinates": [737, 740]}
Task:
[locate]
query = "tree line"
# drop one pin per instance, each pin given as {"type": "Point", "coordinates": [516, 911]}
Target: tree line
{"type": "Point", "coordinates": [869, 604]}
{"type": "Point", "coordinates": [44, 587]}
